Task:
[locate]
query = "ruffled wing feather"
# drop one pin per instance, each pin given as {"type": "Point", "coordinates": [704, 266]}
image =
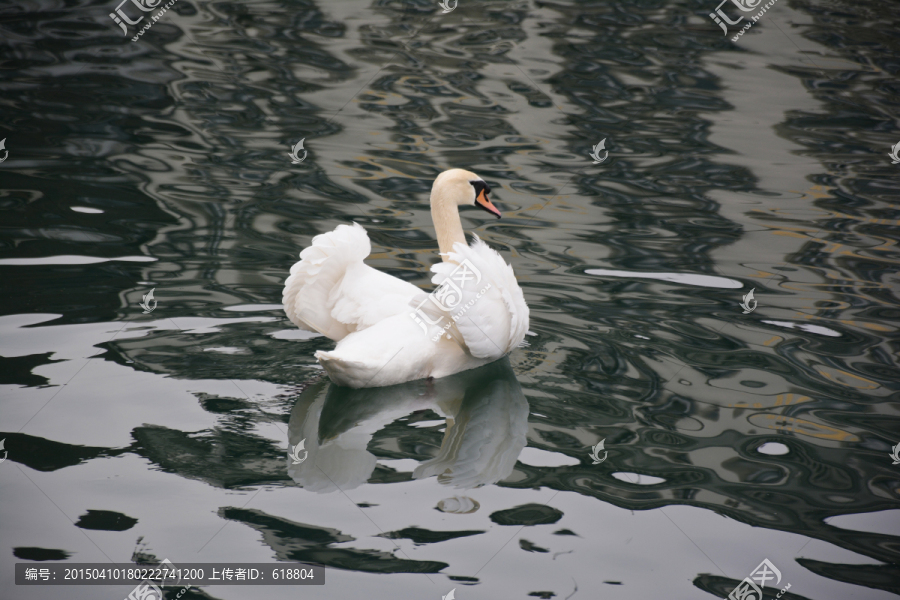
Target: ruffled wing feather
{"type": "Point", "coordinates": [331, 290]}
{"type": "Point", "coordinates": [481, 301]}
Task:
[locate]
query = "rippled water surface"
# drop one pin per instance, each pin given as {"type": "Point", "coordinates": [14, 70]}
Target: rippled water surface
{"type": "Point", "coordinates": [760, 164]}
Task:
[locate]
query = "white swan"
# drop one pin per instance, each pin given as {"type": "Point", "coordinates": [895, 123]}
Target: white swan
{"type": "Point", "coordinates": [389, 331]}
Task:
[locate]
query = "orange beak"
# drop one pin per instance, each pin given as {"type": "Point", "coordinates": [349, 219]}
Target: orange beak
{"type": "Point", "coordinates": [483, 203]}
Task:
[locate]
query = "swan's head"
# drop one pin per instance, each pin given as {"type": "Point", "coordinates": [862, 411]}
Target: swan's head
{"type": "Point", "coordinates": [464, 188]}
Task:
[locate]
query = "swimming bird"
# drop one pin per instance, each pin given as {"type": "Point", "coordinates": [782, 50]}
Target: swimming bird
{"type": "Point", "coordinates": [388, 331]}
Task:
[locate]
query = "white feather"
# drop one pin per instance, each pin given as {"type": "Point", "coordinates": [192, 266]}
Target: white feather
{"type": "Point", "coordinates": [333, 292]}
{"type": "Point", "coordinates": [496, 322]}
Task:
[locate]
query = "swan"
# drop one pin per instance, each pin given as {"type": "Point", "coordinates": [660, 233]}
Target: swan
{"type": "Point", "coordinates": [388, 331]}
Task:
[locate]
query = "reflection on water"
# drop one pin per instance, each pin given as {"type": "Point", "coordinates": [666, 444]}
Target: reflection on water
{"type": "Point", "coordinates": [164, 164]}
{"type": "Point", "coordinates": [485, 424]}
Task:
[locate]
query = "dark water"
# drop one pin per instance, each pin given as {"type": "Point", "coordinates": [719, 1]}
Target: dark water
{"type": "Point", "coordinates": [758, 164]}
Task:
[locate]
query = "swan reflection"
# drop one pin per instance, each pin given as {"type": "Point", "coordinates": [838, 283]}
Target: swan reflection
{"type": "Point", "coordinates": [485, 411]}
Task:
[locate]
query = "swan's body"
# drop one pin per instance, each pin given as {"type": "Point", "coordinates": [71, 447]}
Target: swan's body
{"type": "Point", "coordinates": [389, 331]}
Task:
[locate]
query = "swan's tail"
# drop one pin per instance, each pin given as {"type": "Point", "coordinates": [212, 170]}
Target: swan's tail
{"type": "Point", "coordinates": [310, 291]}
{"type": "Point", "coordinates": [348, 373]}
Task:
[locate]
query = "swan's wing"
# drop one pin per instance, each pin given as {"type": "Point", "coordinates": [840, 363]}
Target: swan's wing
{"type": "Point", "coordinates": [333, 292]}
{"type": "Point", "coordinates": [489, 310]}
{"type": "Point", "coordinates": [367, 296]}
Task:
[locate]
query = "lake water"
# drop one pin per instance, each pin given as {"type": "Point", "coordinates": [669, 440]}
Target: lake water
{"type": "Point", "coordinates": [729, 436]}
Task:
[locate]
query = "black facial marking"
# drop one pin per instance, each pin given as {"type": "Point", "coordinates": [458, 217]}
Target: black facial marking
{"type": "Point", "coordinates": [480, 185]}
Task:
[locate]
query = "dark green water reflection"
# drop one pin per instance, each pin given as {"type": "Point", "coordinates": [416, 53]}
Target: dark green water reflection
{"type": "Point", "coordinates": [163, 164]}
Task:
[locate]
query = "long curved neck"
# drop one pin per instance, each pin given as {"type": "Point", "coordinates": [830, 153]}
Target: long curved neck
{"type": "Point", "coordinates": [445, 215]}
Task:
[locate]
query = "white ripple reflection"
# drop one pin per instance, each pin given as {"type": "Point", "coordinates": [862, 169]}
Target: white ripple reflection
{"type": "Point", "coordinates": [685, 278]}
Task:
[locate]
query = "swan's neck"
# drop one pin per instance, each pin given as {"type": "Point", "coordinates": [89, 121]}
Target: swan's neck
{"type": "Point", "coordinates": [445, 215]}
